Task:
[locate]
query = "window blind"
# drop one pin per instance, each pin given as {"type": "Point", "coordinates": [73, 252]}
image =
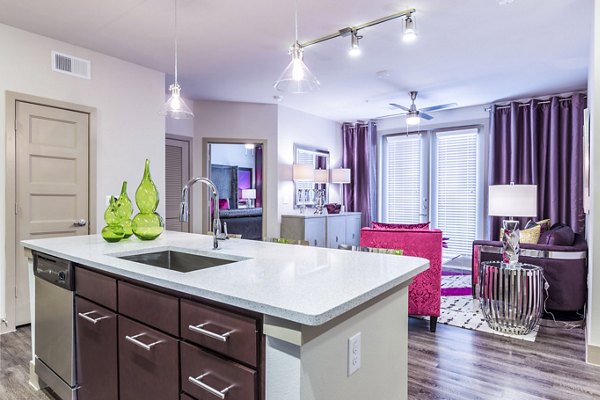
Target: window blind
{"type": "Point", "coordinates": [455, 183]}
{"type": "Point", "coordinates": [402, 178]}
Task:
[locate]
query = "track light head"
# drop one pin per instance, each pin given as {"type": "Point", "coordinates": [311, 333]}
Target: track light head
{"type": "Point", "coordinates": [410, 31]}
{"type": "Point", "coordinates": [354, 45]}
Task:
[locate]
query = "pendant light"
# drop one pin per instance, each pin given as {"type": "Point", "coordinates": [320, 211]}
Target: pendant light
{"type": "Point", "coordinates": [175, 107]}
{"type": "Point", "coordinates": [296, 77]}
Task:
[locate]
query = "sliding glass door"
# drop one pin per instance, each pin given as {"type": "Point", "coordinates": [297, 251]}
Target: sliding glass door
{"type": "Point", "coordinates": [434, 176]}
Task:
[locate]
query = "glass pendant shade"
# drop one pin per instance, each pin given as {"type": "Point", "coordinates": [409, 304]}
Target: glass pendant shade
{"type": "Point", "coordinates": [412, 118]}
{"type": "Point", "coordinates": [175, 107]}
{"type": "Point", "coordinates": [296, 77]}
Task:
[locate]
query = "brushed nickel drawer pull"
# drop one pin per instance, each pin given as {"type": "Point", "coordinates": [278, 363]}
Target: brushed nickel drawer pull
{"type": "Point", "coordinates": [90, 319]}
{"type": "Point", "coordinates": [219, 393]}
{"type": "Point", "coordinates": [134, 340]}
{"type": "Point", "coordinates": [198, 329]}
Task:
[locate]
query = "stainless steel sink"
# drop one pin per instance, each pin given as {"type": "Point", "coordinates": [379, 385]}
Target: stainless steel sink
{"type": "Point", "coordinates": [177, 261]}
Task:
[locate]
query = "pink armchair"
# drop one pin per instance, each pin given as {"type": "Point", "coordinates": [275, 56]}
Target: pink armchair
{"type": "Point", "coordinates": [424, 293]}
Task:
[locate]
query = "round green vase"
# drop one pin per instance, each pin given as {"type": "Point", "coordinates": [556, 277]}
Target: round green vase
{"type": "Point", "coordinates": [113, 231]}
{"type": "Point", "coordinates": [147, 225]}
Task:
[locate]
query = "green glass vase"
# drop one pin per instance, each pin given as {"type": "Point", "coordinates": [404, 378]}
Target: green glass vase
{"type": "Point", "coordinates": [147, 225]}
{"type": "Point", "coordinates": [124, 211]}
{"type": "Point", "coordinates": [113, 231]}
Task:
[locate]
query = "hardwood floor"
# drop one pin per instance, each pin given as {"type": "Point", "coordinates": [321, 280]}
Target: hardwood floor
{"type": "Point", "coordinates": [452, 363]}
{"type": "Point", "coordinates": [15, 354]}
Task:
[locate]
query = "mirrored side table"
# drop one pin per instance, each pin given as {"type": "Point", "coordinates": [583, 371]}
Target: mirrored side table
{"type": "Point", "coordinates": [511, 296]}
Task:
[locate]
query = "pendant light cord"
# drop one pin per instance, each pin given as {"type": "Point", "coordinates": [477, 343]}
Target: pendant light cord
{"type": "Point", "coordinates": [296, 18]}
{"type": "Point", "coordinates": [176, 42]}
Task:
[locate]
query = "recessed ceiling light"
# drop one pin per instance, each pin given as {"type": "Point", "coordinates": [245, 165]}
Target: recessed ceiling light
{"type": "Point", "coordinates": [505, 2]}
{"type": "Point", "coordinates": [384, 73]}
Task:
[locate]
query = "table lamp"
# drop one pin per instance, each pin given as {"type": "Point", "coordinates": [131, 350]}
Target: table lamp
{"type": "Point", "coordinates": [302, 173]}
{"type": "Point", "coordinates": [341, 176]}
{"type": "Point", "coordinates": [321, 178]}
{"type": "Point", "coordinates": [512, 201]}
{"type": "Point", "coordinates": [250, 195]}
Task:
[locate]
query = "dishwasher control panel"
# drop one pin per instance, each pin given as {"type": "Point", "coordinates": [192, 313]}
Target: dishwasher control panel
{"type": "Point", "coordinates": [53, 270]}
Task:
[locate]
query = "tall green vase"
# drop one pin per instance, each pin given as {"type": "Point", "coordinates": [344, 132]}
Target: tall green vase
{"type": "Point", "coordinates": [113, 231]}
{"type": "Point", "coordinates": [147, 225]}
{"type": "Point", "coordinates": [124, 211]}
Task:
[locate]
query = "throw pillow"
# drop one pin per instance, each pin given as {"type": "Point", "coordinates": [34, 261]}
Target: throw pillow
{"type": "Point", "coordinates": [531, 235]}
{"type": "Point", "coordinates": [383, 225]}
{"type": "Point", "coordinates": [223, 204]}
{"type": "Point", "coordinates": [558, 235]}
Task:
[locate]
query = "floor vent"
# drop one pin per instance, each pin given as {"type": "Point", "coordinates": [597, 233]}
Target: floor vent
{"type": "Point", "coordinates": [70, 65]}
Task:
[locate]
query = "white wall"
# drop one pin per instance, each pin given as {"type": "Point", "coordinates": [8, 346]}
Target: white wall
{"type": "Point", "coordinates": [232, 154]}
{"type": "Point", "coordinates": [296, 127]}
{"type": "Point", "coordinates": [245, 121]}
{"type": "Point", "coordinates": [127, 97]}
{"type": "Point", "coordinates": [593, 219]}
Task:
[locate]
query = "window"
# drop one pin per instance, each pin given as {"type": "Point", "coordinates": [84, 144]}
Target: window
{"type": "Point", "coordinates": [403, 171]}
{"type": "Point", "coordinates": [454, 205]}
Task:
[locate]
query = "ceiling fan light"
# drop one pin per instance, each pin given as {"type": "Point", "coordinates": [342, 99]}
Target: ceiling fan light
{"type": "Point", "coordinates": [296, 77]}
{"type": "Point", "coordinates": [412, 118]}
{"type": "Point", "coordinates": [410, 32]}
{"type": "Point", "coordinates": [175, 107]}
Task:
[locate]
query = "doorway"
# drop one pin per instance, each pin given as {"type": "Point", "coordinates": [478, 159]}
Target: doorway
{"type": "Point", "coordinates": [178, 164]}
{"type": "Point", "coordinates": [47, 188]}
{"type": "Point", "coordinates": [236, 168]}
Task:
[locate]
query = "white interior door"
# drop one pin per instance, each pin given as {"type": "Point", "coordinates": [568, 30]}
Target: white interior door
{"type": "Point", "coordinates": [52, 189]}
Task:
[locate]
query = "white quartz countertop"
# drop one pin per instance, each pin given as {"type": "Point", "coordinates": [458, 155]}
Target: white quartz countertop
{"type": "Point", "coordinates": [307, 285]}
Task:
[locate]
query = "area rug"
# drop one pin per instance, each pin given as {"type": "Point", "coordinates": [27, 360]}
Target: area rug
{"type": "Point", "coordinates": [455, 284]}
{"type": "Point", "coordinates": [464, 312]}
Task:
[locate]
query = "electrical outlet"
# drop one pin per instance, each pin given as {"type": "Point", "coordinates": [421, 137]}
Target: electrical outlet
{"type": "Point", "coordinates": [354, 354]}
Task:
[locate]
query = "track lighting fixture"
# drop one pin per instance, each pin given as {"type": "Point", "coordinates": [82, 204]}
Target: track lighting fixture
{"type": "Point", "coordinates": [297, 78]}
{"type": "Point", "coordinates": [354, 45]}
{"type": "Point", "coordinates": [410, 32]}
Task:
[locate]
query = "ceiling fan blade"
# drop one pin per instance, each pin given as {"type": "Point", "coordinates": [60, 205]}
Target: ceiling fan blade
{"type": "Point", "coordinates": [399, 106]}
{"type": "Point", "coordinates": [425, 116]}
{"type": "Point", "coordinates": [438, 107]}
{"type": "Point", "coordinates": [389, 116]}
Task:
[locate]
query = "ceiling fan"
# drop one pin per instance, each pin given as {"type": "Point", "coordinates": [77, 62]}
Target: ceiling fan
{"type": "Point", "coordinates": [414, 114]}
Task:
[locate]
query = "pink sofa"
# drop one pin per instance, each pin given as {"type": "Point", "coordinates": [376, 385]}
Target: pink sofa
{"type": "Point", "coordinates": [424, 293]}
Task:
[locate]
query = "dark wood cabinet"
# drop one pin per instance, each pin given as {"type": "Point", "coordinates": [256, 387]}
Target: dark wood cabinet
{"type": "Point", "coordinates": [148, 363]}
{"type": "Point", "coordinates": [96, 351]}
{"type": "Point", "coordinates": [135, 342]}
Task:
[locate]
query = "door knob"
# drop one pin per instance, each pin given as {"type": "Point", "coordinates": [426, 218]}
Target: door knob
{"type": "Point", "coordinates": [81, 222]}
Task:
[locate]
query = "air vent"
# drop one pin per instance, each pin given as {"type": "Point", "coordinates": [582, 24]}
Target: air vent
{"type": "Point", "coordinates": [70, 65]}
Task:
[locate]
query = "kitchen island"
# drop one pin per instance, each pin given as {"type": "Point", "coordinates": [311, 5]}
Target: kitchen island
{"type": "Point", "coordinates": [306, 303]}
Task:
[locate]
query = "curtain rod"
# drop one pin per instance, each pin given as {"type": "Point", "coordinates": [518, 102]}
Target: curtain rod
{"type": "Point", "coordinates": [528, 104]}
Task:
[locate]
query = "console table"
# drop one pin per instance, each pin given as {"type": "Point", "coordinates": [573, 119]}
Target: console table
{"type": "Point", "coordinates": [323, 230]}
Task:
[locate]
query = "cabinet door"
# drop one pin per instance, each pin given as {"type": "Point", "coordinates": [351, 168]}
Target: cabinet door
{"type": "Point", "coordinates": [96, 338]}
{"type": "Point", "coordinates": [314, 231]}
{"type": "Point", "coordinates": [148, 363]}
{"type": "Point", "coordinates": [336, 231]}
{"type": "Point", "coordinates": [353, 229]}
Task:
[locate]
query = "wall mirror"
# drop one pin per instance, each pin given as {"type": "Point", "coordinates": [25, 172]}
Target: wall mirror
{"type": "Point", "coordinates": [319, 159]}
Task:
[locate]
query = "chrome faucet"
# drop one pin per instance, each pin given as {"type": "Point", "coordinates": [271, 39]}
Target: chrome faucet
{"type": "Point", "coordinates": [184, 211]}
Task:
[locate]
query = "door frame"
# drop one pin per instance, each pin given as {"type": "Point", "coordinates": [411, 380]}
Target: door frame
{"type": "Point", "coordinates": [10, 242]}
{"type": "Point", "coordinates": [190, 141]}
{"type": "Point", "coordinates": [205, 172]}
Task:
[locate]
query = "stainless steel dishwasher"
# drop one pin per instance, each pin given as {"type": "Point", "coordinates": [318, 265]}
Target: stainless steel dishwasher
{"type": "Point", "coordinates": [54, 324]}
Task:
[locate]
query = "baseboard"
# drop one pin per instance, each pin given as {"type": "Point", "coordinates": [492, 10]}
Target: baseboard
{"type": "Point", "coordinates": [592, 354]}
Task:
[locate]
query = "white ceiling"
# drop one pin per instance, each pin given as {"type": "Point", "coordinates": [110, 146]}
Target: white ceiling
{"type": "Point", "coordinates": [468, 51]}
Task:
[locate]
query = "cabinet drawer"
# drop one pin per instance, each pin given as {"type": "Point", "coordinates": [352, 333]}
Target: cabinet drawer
{"type": "Point", "coordinates": [148, 363]}
{"type": "Point", "coordinates": [225, 332]}
{"type": "Point", "coordinates": [96, 333]}
{"type": "Point", "coordinates": [158, 310]}
{"type": "Point", "coordinates": [202, 375]}
{"type": "Point", "coordinates": [96, 287]}
{"type": "Point", "coordinates": [185, 397]}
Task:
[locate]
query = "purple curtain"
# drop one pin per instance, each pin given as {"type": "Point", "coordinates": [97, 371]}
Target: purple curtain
{"type": "Point", "coordinates": [541, 143]}
{"type": "Point", "coordinates": [358, 140]}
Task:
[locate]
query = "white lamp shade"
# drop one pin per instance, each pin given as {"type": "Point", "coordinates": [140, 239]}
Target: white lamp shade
{"type": "Point", "coordinates": [248, 193]}
{"type": "Point", "coordinates": [303, 173]}
{"type": "Point", "coordinates": [512, 200]}
{"type": "Point", "coordinates": [321, 176]}
{"type": "Point", "coordinates": [340, 175]}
